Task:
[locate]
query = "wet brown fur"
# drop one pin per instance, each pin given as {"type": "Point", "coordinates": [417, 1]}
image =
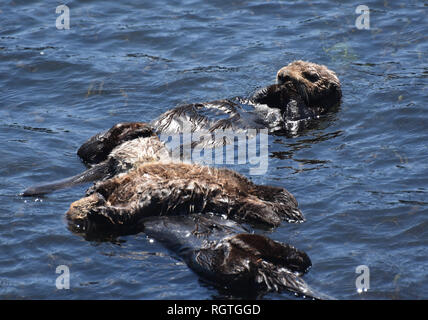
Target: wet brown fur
{"type": "Point", "coordinates": [304, 90]}
{"type": "Point", "coordinates": [316, 84]}
{"type": "Point", "coordinates": [180, 188]}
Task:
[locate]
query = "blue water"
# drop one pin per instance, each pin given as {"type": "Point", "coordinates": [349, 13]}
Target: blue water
{"type": "Point", "coordinates": [360, 176]}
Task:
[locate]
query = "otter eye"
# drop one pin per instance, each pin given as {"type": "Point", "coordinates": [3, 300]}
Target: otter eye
{"type": "Point", "coordinates": [313, 77]}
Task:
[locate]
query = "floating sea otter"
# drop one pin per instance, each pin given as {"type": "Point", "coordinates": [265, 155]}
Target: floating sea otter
{"type": "Point", "coordinates": [119, 204]}
{"type": "Point", "coordinates": [303, 91]}
{"type": "Point", "coordinates": [224, 254]}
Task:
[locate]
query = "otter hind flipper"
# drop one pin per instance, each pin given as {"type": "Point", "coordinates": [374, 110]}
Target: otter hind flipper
{"type": "Point", "coordinates": [224, 255]}
{"type": "Point", "coordinates": [98, 171]}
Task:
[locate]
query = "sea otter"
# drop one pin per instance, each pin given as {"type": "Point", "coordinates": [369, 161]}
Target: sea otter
{"type": "Point", "coordinates": [303, 91]}
{"type": "Point", "coordinates": [118, 205]}
{"type": "Point", "coordinates": [226, 255]}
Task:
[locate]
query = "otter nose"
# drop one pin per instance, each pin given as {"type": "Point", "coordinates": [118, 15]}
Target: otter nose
{"type": "Point", "coordinates": [283, 76]}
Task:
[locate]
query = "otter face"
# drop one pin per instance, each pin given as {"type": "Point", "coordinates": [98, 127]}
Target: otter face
{"type": "Point", "coordinates": [316, 84]}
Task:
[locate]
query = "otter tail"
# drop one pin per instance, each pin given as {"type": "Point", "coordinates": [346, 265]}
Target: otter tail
{"type": "Point", "coordinates": [97, 172]}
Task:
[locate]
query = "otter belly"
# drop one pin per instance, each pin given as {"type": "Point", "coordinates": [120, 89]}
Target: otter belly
{"type": "Point", "coordinates": [153, 189]}
{"type": "Point", "coordinates": [228, 114]}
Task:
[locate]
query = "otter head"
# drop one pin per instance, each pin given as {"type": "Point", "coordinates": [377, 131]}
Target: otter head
{"type": "Point", "coordinates": [316, 84]}
{"type": "Point", "coordinates": [98, 147]}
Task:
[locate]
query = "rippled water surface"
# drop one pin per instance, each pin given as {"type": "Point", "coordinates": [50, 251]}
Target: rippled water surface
{"type": "Point", "coordinates": [360, 176]}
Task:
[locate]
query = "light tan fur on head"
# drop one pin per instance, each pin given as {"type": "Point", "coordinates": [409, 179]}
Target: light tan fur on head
{"type": "Point", "coordinates": [315, 83]}
{"type": "Point", "coordinates": [139, 151]}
